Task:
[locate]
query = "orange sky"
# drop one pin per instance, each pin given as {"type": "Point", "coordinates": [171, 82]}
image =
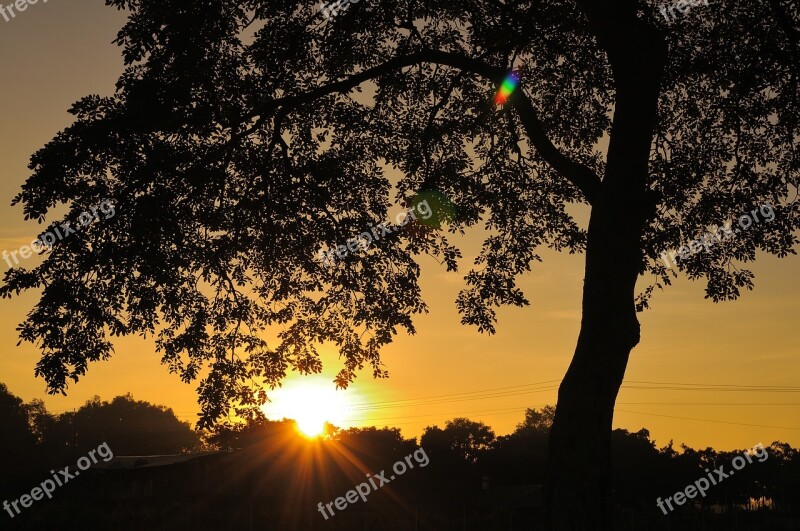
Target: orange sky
{"type": "Point", "coordinates": [54, 53]}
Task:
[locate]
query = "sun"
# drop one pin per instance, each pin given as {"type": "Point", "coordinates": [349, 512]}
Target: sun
{"type": "Point", "coordinates": [310, 402]}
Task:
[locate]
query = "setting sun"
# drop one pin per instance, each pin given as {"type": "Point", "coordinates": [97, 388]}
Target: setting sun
{"type": "Point", "coordinates": [311, 403]}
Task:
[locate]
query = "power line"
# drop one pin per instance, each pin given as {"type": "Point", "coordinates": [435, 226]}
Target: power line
{"type": "Point", "coordinates": [446, 417]}
{"type": "Point", "coordinates": [529, 406]}
{"type": "Point", "coordinates": [506, 409]}
{"type": "Point", "coordinates": [458, 394]}
{"type": "Point", "coordinates": [793, 387]}
{"type": "Point", "coordinates": [707, 420]}
{"type": "Point", "coordinates": [708, 404]}
{"type": "Point", "coordinates": [517, 410]}
{"type": "Point", "coordinates": [730, 389]}
{"type": "Point", "coordinates": [451, 400]}
{"type": "Point", "coordinates": [530, 388]}
{"type": "Point", "coordinates": [523, 389]}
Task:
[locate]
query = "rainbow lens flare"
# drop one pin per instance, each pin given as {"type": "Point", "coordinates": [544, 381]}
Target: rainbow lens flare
{"type": "Point", "coordinates": [509, 85]}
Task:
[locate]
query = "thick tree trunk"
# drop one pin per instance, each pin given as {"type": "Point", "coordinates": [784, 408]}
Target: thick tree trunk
{"type": "Point", "coordinates": [578, 486]}
{"type": "Point", "coordinates": [579, 462]}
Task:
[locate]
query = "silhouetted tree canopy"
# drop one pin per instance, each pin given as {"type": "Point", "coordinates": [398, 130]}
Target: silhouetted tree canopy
{"type": "Point", "coordinates": [231, 435]}
{"type": "Point", "coordinates": [130, 427]}
{"type": "Point", "coordinates": [17, 440]}
{"type": "Point", "coordinates": [461, 437]}
{"type": "Point", "coordinates": [14, 419]}
{"type": "Point", "coordinates": [376, 442]}
{"type": "Point", "coordinates": [41, 421]}
{"type": "Point", "coordinates": [537, 420]}
{"type": "Point", "coordinates": [34, 440]}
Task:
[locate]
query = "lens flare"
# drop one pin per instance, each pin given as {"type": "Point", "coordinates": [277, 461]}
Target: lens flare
{"type": "Point", "coordinates": [506, 88]}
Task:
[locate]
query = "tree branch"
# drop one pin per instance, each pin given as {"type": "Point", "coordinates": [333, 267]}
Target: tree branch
{"type": "Point", "coordinates": [578, 174]}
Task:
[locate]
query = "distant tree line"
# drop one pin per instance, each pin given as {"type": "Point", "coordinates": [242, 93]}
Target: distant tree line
{"type": "Point", "coordinates": [641, 471]}
{"type": "Point", "coordinates": [470, 451]}
{"type": "Point", "coordinates": [35, 440]}
{"type": "Point", "coordinates": [466, 457]}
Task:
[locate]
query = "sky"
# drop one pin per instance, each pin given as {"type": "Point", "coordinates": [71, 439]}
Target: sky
{"type": "Point", "coordinates": [52, 54]}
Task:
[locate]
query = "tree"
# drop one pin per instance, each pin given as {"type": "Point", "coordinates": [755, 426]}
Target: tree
{"type": "Point", "coordinates": [636, 471]}
{"type": "Point", "coordinates": [537, 420]}
{"type": "Point", "coordinates": [520, 458]}
{"type": "Point", "coordinates": [18, 443]}
{"type": "Point", "coordinates": [40, 420]}
{"type": "Point", "coordinates": [130, 427]}
{"type": "Point", "coordinates": [466, 439]}
{"type": "Point", "coordinates": [272, 433]}
{"type": "Point", "coordinates": [372, 447]}
{"type": "Point", "coordinates": [246, 136]}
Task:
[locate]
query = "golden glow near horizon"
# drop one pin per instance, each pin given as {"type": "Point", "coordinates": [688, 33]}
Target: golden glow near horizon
{"type": "Point", "coordinates": [310, 401]}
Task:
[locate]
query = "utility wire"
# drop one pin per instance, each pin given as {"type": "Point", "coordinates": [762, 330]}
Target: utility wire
{"type": "Point", "coordinates": [707, 420]}
{"type": "Point", "coordinates": [511, 410]}
{"type": "Point", "coordinates": [543, 386]}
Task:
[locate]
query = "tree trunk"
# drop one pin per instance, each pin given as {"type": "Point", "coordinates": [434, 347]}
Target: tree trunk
{"type": "Point", "coordinates": [578, 492]}
{"type": "Point", "coordinates": [579, 461]}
